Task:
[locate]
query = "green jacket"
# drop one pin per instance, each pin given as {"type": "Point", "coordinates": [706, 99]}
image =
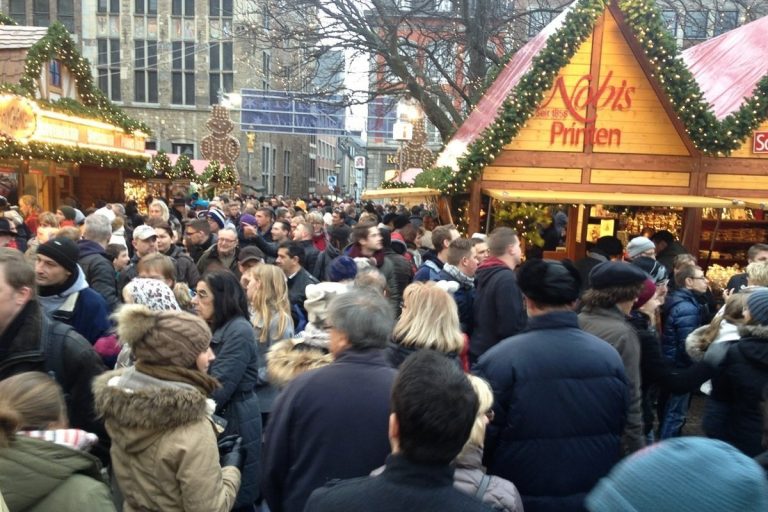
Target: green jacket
{"type": "Point", "coordinates": [40, 476]}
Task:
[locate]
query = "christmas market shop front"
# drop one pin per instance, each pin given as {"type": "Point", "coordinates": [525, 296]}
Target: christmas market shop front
{"type": "Point", "coordinates": [601, 114]}
{"type": "Point", "coordinates": [59, 135]}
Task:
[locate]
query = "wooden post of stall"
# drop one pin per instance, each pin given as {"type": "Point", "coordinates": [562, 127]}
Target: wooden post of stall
{"type": "Point", "coordinates": [474, 207]}
{"type": "Point", "coordinates": [572, 232]}
{"type": "Point", "coordinates": [691, 230]}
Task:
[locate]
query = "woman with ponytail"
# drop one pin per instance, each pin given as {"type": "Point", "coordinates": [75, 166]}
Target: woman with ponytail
{"type": "Point", "coordinates": [45, 466]}
{"type": "Point", "coordinates": [157, 412]}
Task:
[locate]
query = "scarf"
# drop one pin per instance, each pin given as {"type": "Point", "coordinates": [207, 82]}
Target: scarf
{"type": "Point", "coordinates": [356, 252]}
{"type": "Point", "coordinates": [202, 381]}
{"type": "Point", "coordinates": [57, 289]}
{"type": "Point", "coordinates": [463, 279]}
{"type": "Point", "coordinates": [70, 437]}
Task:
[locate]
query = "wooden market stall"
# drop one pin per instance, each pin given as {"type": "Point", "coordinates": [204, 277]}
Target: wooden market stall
{"type": "Point", "coordinates": [60, 136]}
{"type": "Point", "coordinates": [599, 109]}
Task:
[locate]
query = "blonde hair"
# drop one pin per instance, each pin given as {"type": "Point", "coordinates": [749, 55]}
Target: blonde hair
{"type": "Point", "coordinates": [47, 219]}
{"type": "Point", "coordinates": [757, 273]}
{"type": "Point", "coordinates": [271, 298]}
{"type": "Point", "coordinates": [29, 401]}
{"type": "Point", "coordinates": [485, 402]}
{"type": "Point", "coordinates": [430, 319]}
{"type": "Point", "coordinates": [165, 215]}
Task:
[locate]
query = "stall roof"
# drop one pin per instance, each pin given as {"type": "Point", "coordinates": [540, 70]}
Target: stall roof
{"type": "Point", "coordinates": [198, 165]}
{"type": "Point", "coordinates": [616, 198]}
{"type": "Point", "coordinates": [728, 67]}
{"type": "Point", "coordinates": [385, 193]}
{"type": "Point", "coordinates": [487, 108]}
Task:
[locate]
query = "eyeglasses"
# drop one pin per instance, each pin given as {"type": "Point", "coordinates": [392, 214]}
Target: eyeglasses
{"type": "Point", "coordinates": [227, 240]}
{"type": "Point", "coordinates": [700, 277]}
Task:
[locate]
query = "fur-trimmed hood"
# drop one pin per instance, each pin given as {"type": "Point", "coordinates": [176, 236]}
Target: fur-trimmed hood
{"type": "Point", "coordinates": [137, 408]}
{"type": "Point", "coordinates": [290, 358]}
{"type": "Point", "coordinates": [696, 343]}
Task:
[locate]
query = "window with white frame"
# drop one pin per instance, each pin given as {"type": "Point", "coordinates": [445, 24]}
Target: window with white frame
{"type": "Point", "coordinates": [17, 9]}
{"type": "Point", "coordinates": [537, 20]}
{"type": "Point", "coordinates": [146, 7]}
{"type": "Point", "coordinates": [108, 67]}
{"type": "Point", "coordinates": [145, 71]}
{"type": "Point", "coordinates": [182, 73]}
{"type": "Point", "coordinates": [696, 23]}
{"type": "Point", "coordinates": [183, 148]}
{"type": "Point", "coordinates": [221, 75]}
{"type": "Point", "coordinates": [108, 6]}
{"type": "Point", "coordinates": [669, 18]}
{"type": "Point", "coordinates": [66, 14]}
{"type": "Point", "coordinates": [41, 13]}
{"type": "Point", "coordinates": [725, 21]}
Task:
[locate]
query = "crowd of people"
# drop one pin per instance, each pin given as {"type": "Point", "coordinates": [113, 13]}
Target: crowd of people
{"type": "Point", "coordinates": [289, 355]}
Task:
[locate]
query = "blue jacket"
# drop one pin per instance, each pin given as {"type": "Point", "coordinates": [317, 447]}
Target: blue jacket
{"type": "Point", "coordinates": [560, 402]}
{"type": "Point", "coordinates": [327, 423]}
{"type": "Point", "coordinates": [682, 314]}
{"type": "Point", "coordinates": [429, 270]}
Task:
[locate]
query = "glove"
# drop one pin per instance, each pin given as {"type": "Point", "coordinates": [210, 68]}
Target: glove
{"type": "Point", "coordinates": [231, 451]}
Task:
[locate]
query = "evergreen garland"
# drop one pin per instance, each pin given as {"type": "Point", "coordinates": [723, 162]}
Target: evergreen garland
{"type": "Point", "coordinates": [14, 150]}
{"type": "Point", "coordinates": [183, 169]}
{"type": "Point", "coordinates": [161, 165]}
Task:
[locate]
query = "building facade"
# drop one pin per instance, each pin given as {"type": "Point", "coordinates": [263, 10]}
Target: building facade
{"type": "Point", "coordinates": [165, 62]}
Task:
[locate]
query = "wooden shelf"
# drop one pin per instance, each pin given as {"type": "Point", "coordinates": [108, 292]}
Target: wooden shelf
{"type": "Point", "coordinates": [732, 242]}
{"type": "Point", "coordinates": [747, 222]}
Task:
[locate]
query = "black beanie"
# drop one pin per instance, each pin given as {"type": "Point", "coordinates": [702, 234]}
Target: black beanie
{"type": "Point", "coordinates": [549, 282]}
{"type": "Point", "coordinates": [63, 251]}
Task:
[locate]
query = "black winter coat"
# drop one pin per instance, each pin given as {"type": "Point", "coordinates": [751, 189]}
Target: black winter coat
{"type": "Point", "coordinates": [99, 272]}
{"type": "Point", "coordinates": [31, 343]}
{"type": "Point", "coordinates": [322, 269]}
{"type": "Point", "coordinates": [403, 486]}
{"type": "Point", "coordinates": [186, 269]}
{"type": "Point", "coordinates": [560, 405]}
{"type": "Point", "coordinates": [327, 423]}
{"type": "Point", "coordinates": [655, 370]}
{"type": "Point", "coordinates": [402, 275]}
{"type": "Point", "coordinates": [237, 368]}
{"type": "Point", "coordinates": [498, 309]}
{"type": "Point", "coordinates": [734, 412]}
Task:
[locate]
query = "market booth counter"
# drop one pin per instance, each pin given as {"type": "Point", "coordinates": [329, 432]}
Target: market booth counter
{"type": "Point", "coordinates": [598, 109]}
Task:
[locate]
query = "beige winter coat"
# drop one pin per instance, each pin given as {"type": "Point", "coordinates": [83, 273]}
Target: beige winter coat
{"type": "Point", "coordinates": [164, 451]}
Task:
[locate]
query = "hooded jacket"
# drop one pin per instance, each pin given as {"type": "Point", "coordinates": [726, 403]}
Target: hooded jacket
{"type": "Point", "coordinates": [99, 272]}
{"type": "Point", "coordinates": [41, 476]}
{"type": "Point", "coordinates": [164, 455]}
{"type": "Point", "coordinates": [430, 268]}
{"type": "Point", "coordinates": [498, 307]}
{"type": "Point", "coordinates": [89, 317]}
{"type": "Point", "coordinates": [322, 270]}
{"type": "Point", "coordinates": [734, 412]}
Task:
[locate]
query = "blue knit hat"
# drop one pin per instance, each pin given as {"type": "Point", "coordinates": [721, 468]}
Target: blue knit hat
{"type": "Point", "coordinates": [342, 268]}
{"type": "Point", "coordinates": [757, 304]}
{"type": "Point", "coordinates": [685, 474]}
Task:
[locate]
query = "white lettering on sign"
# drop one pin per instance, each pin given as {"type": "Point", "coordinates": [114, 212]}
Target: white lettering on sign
{"type": "Point", "coordinates": [760, 142]}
